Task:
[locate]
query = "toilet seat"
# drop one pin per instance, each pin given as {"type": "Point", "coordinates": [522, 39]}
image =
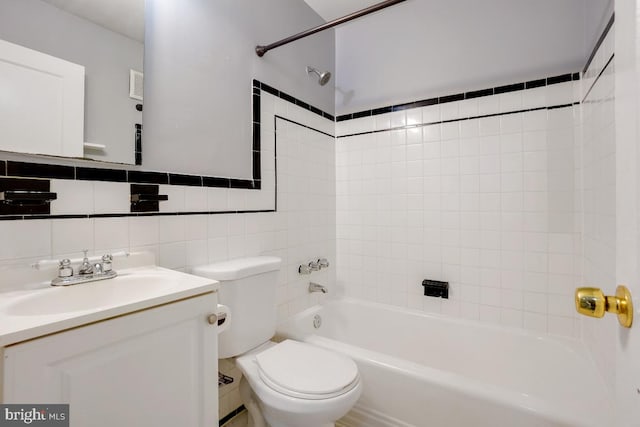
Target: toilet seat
{"type": "Point", "coordinates": [305, 371]}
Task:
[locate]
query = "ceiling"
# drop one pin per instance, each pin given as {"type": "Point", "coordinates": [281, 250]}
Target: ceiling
{"type": "Point", "coordinates": [125, 17]}
{"type": "Point", "coordinates": [332, 9]}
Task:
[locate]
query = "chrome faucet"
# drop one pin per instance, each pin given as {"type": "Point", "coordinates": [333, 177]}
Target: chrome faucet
{"type": "Point", "coordinates": [87, 272]}
{"type": "Point", "coordinates": [314, 287]}
{"type": "Point", "coordinates": [313, 266]}
{"type": "Point", "coordinates": [85, 267]}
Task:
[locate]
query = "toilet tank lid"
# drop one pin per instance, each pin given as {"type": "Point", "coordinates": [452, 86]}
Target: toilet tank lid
{"type": "Point", "coordinates": [238, 268]}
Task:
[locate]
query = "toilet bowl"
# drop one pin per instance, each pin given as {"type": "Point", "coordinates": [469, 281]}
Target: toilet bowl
{"type": "Point", "coordinates": [286, 384]}
{"type": "Point", "coordinates": [296, 384]}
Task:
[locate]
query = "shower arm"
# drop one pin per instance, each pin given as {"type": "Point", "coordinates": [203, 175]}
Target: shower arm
{"type": "Point", "coordinates": [261, 50]}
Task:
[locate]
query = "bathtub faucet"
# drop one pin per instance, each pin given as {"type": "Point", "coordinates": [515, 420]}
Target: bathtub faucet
{"type": "Point", "coordinates": [314, 287]}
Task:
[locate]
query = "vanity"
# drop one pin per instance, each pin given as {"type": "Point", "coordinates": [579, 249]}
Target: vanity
{"type": "Point", "coordinates": [139, 349]}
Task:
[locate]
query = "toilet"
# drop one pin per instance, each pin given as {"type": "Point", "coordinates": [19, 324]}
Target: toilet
{"type": "Point", "coordinates": [286, 384]}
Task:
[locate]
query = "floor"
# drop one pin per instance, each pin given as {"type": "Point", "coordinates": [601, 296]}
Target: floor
{"type": "Point", "coordinates": [240, 420]}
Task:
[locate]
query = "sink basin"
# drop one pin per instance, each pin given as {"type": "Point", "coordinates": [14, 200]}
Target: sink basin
{"type": "Point", "coordinates": [93, 295]}
{"type": "Point", "coordinates": [31, 308]}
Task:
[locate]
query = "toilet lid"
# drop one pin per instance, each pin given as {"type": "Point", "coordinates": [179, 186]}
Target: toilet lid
{"type": "Point", "coordinates": [306, 371]}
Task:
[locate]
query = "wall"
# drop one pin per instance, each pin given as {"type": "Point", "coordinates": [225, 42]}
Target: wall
{"type": "Point", "coordinates": [209, 108]}
{"type": "Point", "coordinates": [430, 48]}
{"type": "Point", "coordinates": [197, 113]}
{"type": "Point", "coordinates": [627, 116]}
{"type": "Point", "coordinates": [110, 114]}
{"type": "Point", "coordinates": [302, 229]}
{"type": "Point", "coordinates": [599, 196]}
{"type": "Point", "coordinates": [486, 204]}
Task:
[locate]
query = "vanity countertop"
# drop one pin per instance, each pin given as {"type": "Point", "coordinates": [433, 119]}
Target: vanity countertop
{"type": "Point", "coordinates": [33, 309]}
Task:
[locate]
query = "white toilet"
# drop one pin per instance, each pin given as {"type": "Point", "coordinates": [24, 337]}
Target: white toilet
{"type": "Point", "coordinates": [287, 384]}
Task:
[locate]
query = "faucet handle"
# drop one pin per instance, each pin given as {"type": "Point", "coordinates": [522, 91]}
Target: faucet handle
{"type": "Point", "coordinates": [313, 266]}
{"type": "Point", "coordinates": [323, 263]}
{"type": "Point", "coordinates": [65, 269]}
{"type": "Point", "coordinates": [304, 269]}
{"type": "Point", "coordinates": [85, 267]}
{"type": "Point", "coordinates": [107, 259]}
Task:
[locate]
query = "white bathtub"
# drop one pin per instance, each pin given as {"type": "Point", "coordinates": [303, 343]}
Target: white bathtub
{"type": "Point", "coordinates": [425, 370]}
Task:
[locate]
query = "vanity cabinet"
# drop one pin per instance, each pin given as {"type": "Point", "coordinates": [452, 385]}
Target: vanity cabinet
{"type": "Point", "coordinates": [156, 367]}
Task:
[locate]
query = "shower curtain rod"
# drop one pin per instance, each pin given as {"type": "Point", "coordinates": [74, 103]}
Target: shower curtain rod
{"type": "Point", "coordinates": [261, 50]}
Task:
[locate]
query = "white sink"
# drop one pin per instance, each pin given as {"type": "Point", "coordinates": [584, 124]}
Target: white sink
{"type": "Point", "coordinates": [30, 307]}
{"type": "Point", "coordinates": [126, 287]}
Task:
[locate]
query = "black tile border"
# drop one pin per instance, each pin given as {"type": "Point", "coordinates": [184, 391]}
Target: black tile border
{"type": "Point", "coordinates": [304, 126]}
{"type": "Point", "coordinates": [597, 79]}
{"type": "Point", "coordinates": [146, 177]}
{"type": "Point", "coordinates": [84, 173]}
{"type": "Point", "coordinates": [230, 415]}
{"type": "Point", "coordinates": [599, 42]}
{"type": "Point", "coordinates": [185, 180]}
{"type": "Point", "coordinates": [292, 99]}
{"type": "Point", "coordinates": [562, 78]}
{"type": "Point", "coordinates": [526, 110]}
{"type": "Point", "coordinates": [143, 177]}
{"type": "Point", "coordinates": [131, 214]}
{"type": "Point", "coordinates": [604, 34]}
{"type": "Point", "coordinates": [94, 174]}
{"type": "Point", "coordinates": [40, 170]}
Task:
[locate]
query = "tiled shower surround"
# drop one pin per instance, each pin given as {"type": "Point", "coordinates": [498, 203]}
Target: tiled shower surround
{"type": "Point", "coordinates": [599, 201]}
{"type": "Point", "coordinates": [478, 192]}
{"type": "Point", "coordinates": [504, 193]}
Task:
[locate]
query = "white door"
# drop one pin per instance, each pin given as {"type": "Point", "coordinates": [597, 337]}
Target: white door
{"type": "Point", "coordinates": [627, 63]}
{"type": "Point", "coordinates": [155, 368]}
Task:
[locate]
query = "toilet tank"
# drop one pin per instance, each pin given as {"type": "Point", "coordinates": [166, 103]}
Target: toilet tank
{"type": "Point", "coordinates": [248, 288]}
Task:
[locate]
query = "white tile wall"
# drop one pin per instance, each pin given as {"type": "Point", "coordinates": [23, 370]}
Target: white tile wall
{"type": "Point", "coordinates": [303, 228]}
{"type": "Point", "coordinates": [598, 197]}
{"type": "Point", "coordinates": [486, 204]}
{"type": "Point", "coordinates": [497, 206]}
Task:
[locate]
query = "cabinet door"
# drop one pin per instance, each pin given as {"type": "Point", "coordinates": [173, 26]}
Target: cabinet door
{"type": "Point", "coordinates": [152, 368]}
{"type": "Point", "coordinates": [42, 103]}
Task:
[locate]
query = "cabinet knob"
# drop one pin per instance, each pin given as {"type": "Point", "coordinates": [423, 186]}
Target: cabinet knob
{"type": "Point", "coordinates": [212, 319]}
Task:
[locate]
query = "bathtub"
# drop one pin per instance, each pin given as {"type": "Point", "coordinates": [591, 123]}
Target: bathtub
{"type": "Point", "coordinates": [430, 371]}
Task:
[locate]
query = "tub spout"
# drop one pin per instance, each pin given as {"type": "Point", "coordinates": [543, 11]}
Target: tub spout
{"type": "Point", "coordinates": [314, 287]}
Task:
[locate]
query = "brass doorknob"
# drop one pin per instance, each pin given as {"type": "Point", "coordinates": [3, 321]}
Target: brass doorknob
{"type": "Point", "coordinates": [593, 302]}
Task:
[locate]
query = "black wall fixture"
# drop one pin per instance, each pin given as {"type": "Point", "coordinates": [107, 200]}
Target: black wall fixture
{"type": "Point", "coordinates": [435, 288]}
{"type": "Point", "coordinates": [20, 196]}
{"type": "Point", "coordinates": [146, 198]}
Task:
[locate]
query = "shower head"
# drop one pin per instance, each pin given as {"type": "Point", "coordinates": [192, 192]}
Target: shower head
{"type": "Point", "coordinates": [323, 78]}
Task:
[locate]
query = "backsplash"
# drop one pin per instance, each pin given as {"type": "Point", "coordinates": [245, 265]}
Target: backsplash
{"type": "Point", "coordinates": [475, 189]}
